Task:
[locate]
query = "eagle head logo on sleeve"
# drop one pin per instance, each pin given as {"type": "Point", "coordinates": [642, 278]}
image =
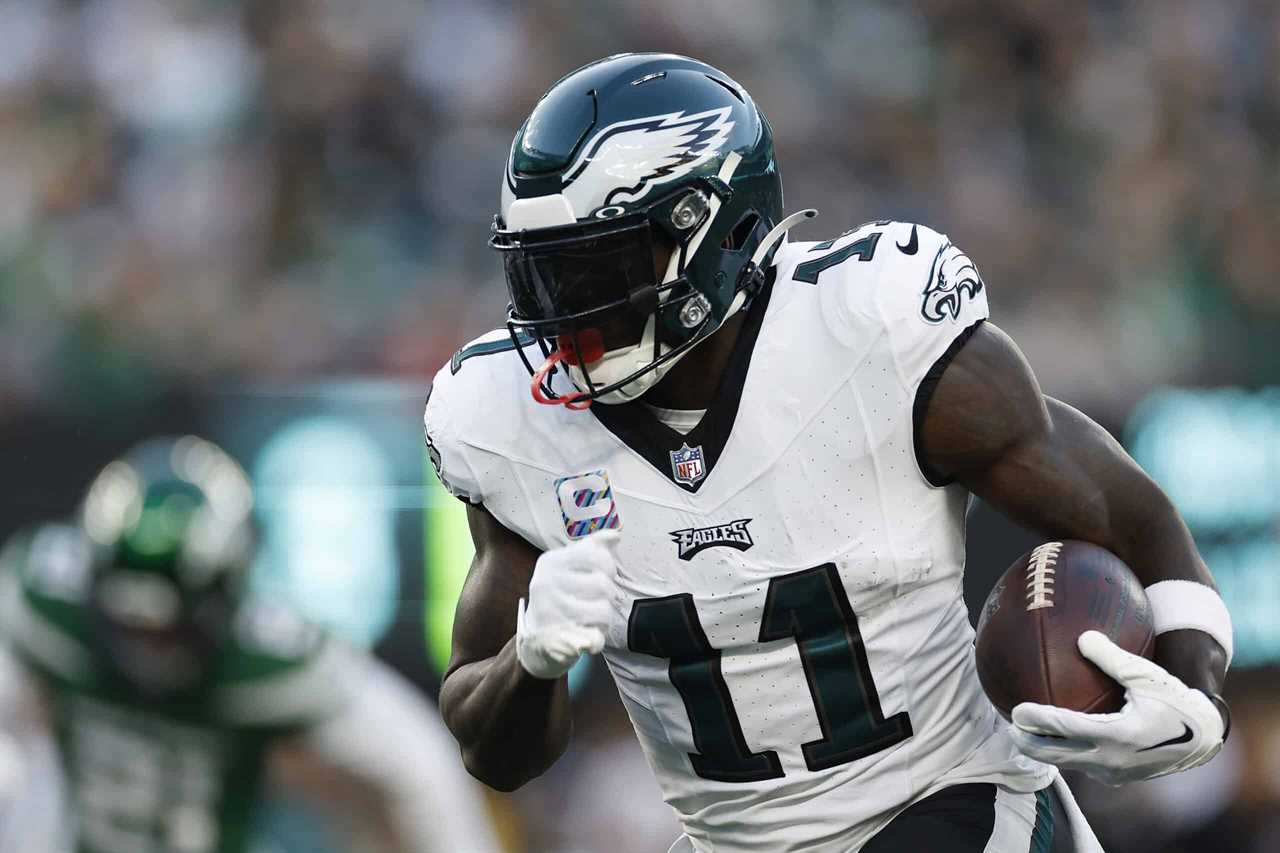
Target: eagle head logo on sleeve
{"type": "Point", "coordinates": [620, 164]}
{"type": "Point", "coordinates": [953, 280]}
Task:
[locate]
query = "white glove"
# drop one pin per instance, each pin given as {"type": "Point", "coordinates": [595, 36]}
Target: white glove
{"type": "Point", "coordinates": [1164, 727]}
{"type": "Point", "coordinates": [570, 605]}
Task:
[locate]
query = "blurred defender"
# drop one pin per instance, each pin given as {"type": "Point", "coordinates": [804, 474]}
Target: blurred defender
{"type": "Point", "coordinates": [760, 515]}
{"type": "Point", "coordinates": [169, 695]}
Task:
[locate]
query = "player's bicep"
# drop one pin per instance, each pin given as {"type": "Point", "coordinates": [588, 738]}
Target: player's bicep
{"type": "Point", "coordinates": [986, 404]}
{"type": "Point", "coordinates": [499, 577]}
{"type": "Point", "coordinates": [1036, 459]}
{"type": "Point", "coordinates": [1073, 480]}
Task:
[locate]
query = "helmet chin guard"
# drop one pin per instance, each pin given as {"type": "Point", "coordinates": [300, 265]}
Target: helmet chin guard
{"type": "Point", "coordinates": [615, 366]}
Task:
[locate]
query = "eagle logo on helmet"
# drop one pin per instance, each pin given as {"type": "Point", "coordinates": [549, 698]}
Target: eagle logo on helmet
{"type": "Point", "coordinates": [622, 162]}
{"type": "Point", "coordinates": [954, 280]}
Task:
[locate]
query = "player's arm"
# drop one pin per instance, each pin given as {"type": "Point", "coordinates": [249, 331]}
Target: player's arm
{"type": "Point", "coordinates": [1049, 467]}
{"type": "Point", "coordinates": [505, 695]}
{"type": "Point", "coordinates": [511, 725]}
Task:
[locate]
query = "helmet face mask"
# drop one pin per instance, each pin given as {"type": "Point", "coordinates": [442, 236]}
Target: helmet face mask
{"type": "Point", "coordinates": [172, 536]}
{"type": "Point", "coordinates": [671, 153]}
{"type": "Point", "coordinates": [595, 291]}
{"type": "Point", "coordinates": [159, 650]}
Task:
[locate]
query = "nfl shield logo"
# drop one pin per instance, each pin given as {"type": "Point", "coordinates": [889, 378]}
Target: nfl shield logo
{"type": "Point", "coordinates": [686, 465]}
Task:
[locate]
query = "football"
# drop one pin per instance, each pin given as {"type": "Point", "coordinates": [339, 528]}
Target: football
{"type": "Point", "coordinates": [1026, 645]}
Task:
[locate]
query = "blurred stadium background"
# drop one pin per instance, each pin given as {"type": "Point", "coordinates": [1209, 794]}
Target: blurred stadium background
{"type": "Point", "coordinates": [265, 221]}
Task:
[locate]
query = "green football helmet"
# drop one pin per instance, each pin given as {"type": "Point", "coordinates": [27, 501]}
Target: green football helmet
{"type": "Point", "coordinates": [171, 533]}
{"type": "Point", "coordinates": [622, 160]}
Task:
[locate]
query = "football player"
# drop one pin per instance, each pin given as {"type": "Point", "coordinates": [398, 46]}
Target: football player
{"type": "Point", "coordinates": [739, 467]}
{"type": "Point", "coordinates": [170, 694]}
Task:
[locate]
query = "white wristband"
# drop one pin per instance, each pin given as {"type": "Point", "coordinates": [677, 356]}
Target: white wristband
{"type": "Point", "coordinates": [1187, 605]}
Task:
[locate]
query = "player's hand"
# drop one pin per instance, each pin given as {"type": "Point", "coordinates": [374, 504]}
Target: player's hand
{"type": "Point", "coordinates": [570, 605]}
{"type": "Point", "coordinates": [1164, 727]}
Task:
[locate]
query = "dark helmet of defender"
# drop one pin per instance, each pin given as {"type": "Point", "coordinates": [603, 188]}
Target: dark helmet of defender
{"type": "Point", "coordinates": [626, 155]}
{"type": "Point", "coordinates": [171, 533]}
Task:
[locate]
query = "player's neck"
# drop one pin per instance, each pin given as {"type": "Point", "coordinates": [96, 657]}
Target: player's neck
{"type": "Point", "coordinates": [693, 382]}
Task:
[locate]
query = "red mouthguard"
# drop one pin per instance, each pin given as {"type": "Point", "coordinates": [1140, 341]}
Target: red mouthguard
{"type": "Point", "coordinates": [590, 347]}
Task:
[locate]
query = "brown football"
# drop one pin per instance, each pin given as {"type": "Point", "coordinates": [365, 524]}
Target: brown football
{"type": "Point", "coordinates": [1026, 646]}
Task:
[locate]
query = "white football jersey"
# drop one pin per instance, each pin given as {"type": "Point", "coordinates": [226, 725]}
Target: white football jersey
{"type": "Point", "coordinates": [789, 638]}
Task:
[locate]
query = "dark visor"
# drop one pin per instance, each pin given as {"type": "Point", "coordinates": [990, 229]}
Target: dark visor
{"type": "Point", "coordinates": [558, 274]}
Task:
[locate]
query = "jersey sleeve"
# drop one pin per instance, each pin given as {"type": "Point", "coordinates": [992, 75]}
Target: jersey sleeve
{"type": "Point", "coordinates": [929, 321]}
{"type": "Point", "coordinates": [483, 429]}
{"type": "Point", "coordinates": [911, 294]}
{"type": "Point", "coordinates": [930, 303]}
{"type": "Point", "coordinates": [442, 420]}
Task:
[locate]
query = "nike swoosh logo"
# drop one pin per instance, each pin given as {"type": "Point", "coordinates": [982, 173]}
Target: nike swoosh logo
{"type": "Point", "coordinates": [913, 244]}
{"type": "Point", "coordinates": [1182, 738]}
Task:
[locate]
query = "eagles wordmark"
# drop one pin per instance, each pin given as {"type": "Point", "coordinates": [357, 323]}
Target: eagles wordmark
{"type": "Point", "coordinates": [693, 540]}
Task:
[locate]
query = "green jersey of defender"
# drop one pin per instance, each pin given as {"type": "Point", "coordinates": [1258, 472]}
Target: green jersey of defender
{"type": "Point", "coordinates": [180, 773]}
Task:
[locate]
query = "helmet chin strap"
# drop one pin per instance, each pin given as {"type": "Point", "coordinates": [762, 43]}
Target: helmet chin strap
{"type": "Point", "coordinates": [617, 364]}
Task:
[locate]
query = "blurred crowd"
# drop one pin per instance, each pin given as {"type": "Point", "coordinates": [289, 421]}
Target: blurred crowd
{"type": "Point", "coordinates": [195, 190]}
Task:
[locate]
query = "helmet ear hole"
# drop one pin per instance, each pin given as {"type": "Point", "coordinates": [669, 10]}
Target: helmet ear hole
{"type": "Point", "coordinates": [741, 232]}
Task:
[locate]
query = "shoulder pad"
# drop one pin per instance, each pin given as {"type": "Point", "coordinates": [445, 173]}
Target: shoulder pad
{"type": "Point", "coordinates": [44, 581]}
{"type": "Point", "coordinates": [52, 561]}
{"type": "Point", "coordinates": [475, 405]}
{"type": "Point", "coordinates": [280, 670]}
{"type": "Point", "coordinates": [901, 280]}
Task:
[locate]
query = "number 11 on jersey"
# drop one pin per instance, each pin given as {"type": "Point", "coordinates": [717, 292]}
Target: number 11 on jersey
{"type": "Point", "coordinates": [810, 605]}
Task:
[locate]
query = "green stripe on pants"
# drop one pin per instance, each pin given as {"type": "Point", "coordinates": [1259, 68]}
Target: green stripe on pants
{"type": "Point", "coordinates": [1042, 832]}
